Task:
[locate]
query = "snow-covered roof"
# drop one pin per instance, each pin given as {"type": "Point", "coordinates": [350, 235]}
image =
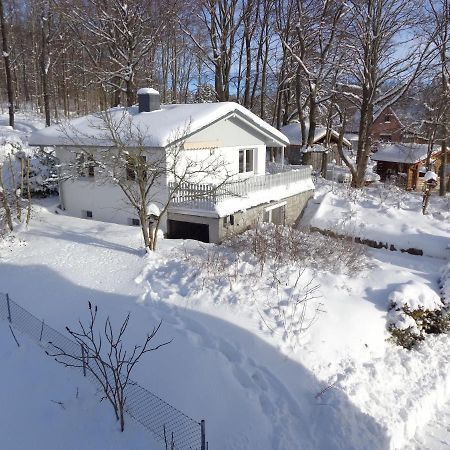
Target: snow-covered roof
{"type": "Point", "coordinates": [351, 136]}
{"type": "Point", "coordinates": [294, 133]}
{"type": "Point", "coordinates": [401, 153]}
{"type": "Point", "coordinates": [155, 129]}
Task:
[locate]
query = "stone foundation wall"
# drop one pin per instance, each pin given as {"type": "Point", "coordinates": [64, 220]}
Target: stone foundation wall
{"type": "Point", "coordinates": [223, 228]}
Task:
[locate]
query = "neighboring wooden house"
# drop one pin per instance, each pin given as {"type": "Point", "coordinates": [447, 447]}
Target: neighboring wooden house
{"type": "Point", "coordinates": [388, 127]}
{"type": "Point", "coordinates": [225, 129]}
{"type": "Point", "coordinates": [407, 162]}
{"type": "Point", "coordinates": [319, 154]}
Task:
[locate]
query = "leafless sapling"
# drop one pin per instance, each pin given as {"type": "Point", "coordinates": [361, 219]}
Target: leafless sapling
{"type": "Point", "coordinates": [102, 354]}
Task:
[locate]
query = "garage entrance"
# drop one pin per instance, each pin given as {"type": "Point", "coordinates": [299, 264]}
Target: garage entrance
{"type": "Point", "coordinates": [177, 229]}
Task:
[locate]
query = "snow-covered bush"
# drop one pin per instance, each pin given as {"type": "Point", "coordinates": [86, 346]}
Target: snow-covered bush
{"type": "Point", "coordinates": [415, 311]}
{"type": "Point", "coordinates": [43, 175]}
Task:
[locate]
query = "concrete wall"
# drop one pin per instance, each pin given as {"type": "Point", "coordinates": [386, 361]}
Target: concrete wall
{"type": "Point", "coordinates": [243, 220]}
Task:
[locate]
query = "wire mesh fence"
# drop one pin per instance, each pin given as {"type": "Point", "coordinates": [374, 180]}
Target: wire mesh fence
{"type": "Point", "coordinates": [160, 418]}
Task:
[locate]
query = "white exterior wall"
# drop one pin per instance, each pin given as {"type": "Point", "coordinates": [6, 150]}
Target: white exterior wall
{"type": "Point", "coordinates": [229, 136]}
{"type": "Point", "coordinates": [106, 200]}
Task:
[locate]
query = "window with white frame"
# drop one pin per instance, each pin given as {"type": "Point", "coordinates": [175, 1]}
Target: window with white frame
{"type": "Point", "coordinates": [275, 214]}
{"type": "Point", "coordinates": [246, 160]}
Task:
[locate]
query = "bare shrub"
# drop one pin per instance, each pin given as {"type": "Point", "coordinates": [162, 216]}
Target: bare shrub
{"type": "Point", "coordinates": [213, 264]}
{"type": "Point", "coordinates": [286, 245]}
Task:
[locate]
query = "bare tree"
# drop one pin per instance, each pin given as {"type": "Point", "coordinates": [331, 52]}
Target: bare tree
{"type": "Point", "coordinates": [103, 355]}
{"type": "Point", "coordinates": [221, 19]}
{"type": "Point", "coordinates": [117, 36]}
{"type": "Point", "coordinates": [380, 74]}
{"type": "Point", "coordinates": [314, 50]}
{"type": "Point", "coordinates": [437, 28]}
{"type": "Point", "coordinates": [15, 192]}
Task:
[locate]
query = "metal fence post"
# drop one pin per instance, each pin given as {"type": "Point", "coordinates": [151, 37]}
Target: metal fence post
{"type": "Point", "coordinates": [83, 356]}
{"type": "Point", "coordinates": [202, 426]}
{"type": "Point", "coordinates": [42, 331]}
{"type": "Point", "coordinates": [9, 308]}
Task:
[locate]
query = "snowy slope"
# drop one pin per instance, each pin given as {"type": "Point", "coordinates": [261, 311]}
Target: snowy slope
{"type": "Point", "coordinates": [387, 215]}
{"type": "Point", "coordinates": [44, 406]}
{"type": "Point", "coordinates": [224, 365]}
{"type": "Point", "coordinates": [249, 392]}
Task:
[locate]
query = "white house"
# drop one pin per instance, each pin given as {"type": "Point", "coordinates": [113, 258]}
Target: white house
{"type": "Point", "coordinates": [224, 130]}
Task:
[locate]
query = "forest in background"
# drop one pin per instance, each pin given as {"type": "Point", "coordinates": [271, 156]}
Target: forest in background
{"type": "Point", "coordinates": [316, 61]}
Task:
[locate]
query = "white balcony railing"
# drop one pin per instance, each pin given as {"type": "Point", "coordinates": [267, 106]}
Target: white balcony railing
{"type": "Point", "coordinates": [206, 196]}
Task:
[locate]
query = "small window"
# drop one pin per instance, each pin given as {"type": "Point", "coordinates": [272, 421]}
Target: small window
{"type": "Point", "coordinates": [387, 118]}
{"type": "Point", "coordinates": [131, 174]}
{"type": "Point", "coordinates": [249, 160]}
{"type": "Point", "coordinates": [241, 161]}
{"type": "Point", "coordinates": [80, 159]}
{"type": "Point", "coordinates": [386, 137]}
{"type": "Point", "coordinates": [85, 165]}
{"type": "Point", "coordinates": [136, 168]}
{"type": "Point", "coordinates": [246, 160]}
{"type": "Point", "coordinates": [88, 214]}
{"type": "Point", "coordinates": [228, 220]}
{"type": "Point", "coordinates": [135, 222]}
{"type": "Point", "coordinates": [90, 166]}
{"type": "Point", "coordinates": [275, 214]}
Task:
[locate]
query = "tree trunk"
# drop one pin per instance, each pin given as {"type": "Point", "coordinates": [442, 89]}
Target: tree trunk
{"type": "Point", "coordinates": [444, 161]}
{"type": "Point", "coordinates": [7, 61]}
{"type": "Point", "coordinates": [45, 66]}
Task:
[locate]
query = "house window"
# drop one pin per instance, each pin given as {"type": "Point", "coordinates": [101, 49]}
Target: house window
{"type": "Point", "coordinates": [85, 165]}
{"type": "Point", "coordinates": [246, 160]}
{"type": "Point", "coordinates": [90, 166]}
{"type": "Point", "coordinates": [387, 118]}
{"type": "Point", "coordinates": [134, 222]}
{"type": "Point", "coordinates": [386, 137]}
{"type": "Point", "coordinates": [228, 220]}
{"type": "Point", "coordinates": [136, 168]}
{"type": "Point", "coordinates": [275, 214]}
{"type": "Point", "coordinates": [87, 214]}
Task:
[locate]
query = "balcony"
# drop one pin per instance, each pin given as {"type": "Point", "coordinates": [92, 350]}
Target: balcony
{"type": "Point", "coordinates": [242, 194]}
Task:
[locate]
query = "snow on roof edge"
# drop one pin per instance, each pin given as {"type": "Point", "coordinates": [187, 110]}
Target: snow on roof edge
{"type": "Point", "coordinates": [166, 121]}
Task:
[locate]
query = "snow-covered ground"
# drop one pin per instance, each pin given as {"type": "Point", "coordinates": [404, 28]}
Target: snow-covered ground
{"type": "Point", "coordinates": [385, 214]}
{"type": "Point", "coordinates": [263, 375]}
{"type": "Point", "coordinates": [46, 407]}
{"type": "Point", "coordinates": [225, 365]}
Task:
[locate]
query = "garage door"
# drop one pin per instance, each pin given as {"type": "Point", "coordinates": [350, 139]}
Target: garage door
{"type": "Point", "coordinates": [188, 230]}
